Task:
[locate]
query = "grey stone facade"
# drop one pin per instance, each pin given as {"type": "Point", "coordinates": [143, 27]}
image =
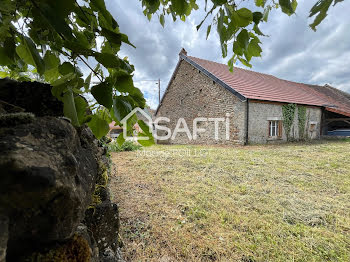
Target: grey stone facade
{"type": "Point", "coordinates": [261, 113]}
{"type": "Point", "coordinates": [192, 94]}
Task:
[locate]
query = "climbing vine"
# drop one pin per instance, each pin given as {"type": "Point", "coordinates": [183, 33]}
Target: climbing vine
{"type": "Point", "coordinates": [288, 117]}
{"type": "Point", "coordinates": [301, 121]}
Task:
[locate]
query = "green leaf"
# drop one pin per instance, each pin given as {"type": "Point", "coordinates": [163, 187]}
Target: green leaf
{"type": "Point", "coordinates": [55, 13]}
{"type": "Point", "coordinates": [237, 49]}
{"type": "Point", "coordinates": [145, 128]}
{"type": "Point", "coordinates": [224, 49]}
{"type": "Point", "coordinates": [208, 30]}
{"type": "Point", "coordinates": [121, 107]}
{"type": "Point", "coordinates": [30, 55]}
{"type": "Point", "coordinates": [242, 17]}
{"type": "Point", "coordinates": [124, 83]}
{"type": "Point", "coordinates": [4, 74]}
{"type": "Point", "coordinates": [288, 6]}
{"type": "Point", "coordinates": [230, 64]}
{"type": "Point", "coordinates": [244, 62]}
{"type": "Point", "coordinates": [257, 30]}
{"type": "Point", "coordinates": [87, 83]}
{"type": "Point", "coordinates": [63, 79]}
{"type": "Point", "coordinates": [148, 142]}
{"type": "Point", "coordinates": [78, 48]}
{"type": "Point", "coordinates": [51, 65]}
{"type": "Point", "coordinates": [66, 68]}
{"type": "Point", "coordinates": [161, 20]}
{"type": "Point", "coordinates": [245, 14]}
{"type": "Point", "coordinates": [319, 18]}
{"type": "Point", "coordinates": [107, 60]}
{"type": "Point", "coordinates": [8, 51]}
{"type": "Point", "coordinates": [337, 1]}
{"type": "Point", "coordinates": [266, 13]}
{"type": "Point", "coordinates": [320, 7]}
{"type": "Point", "coordinates": [254, 49]}
{"type": "Point", "coordinates": [51, 61]}
{"type": "Point", "coordinates": [104, 15]}
{"type": "Point", "coordinates": [125, 39]}
{"type": "Point", "coordinates": [137, 97]}
{"type": "Point", "coordinates": [99, 5]}
{"type": "Point", "coordinates": [220, 25]}
{"type": "Point", "coordinates": [4, 59]}
{"type": "Point", "coordinates": [103, 94]}
{"type": "Point", "coordinates": [120, 139]}
{"type": "Point", "coordinates": [114, 37]}
{"type": "Point", "coordinates": [130, 124]}
{"type": "Point", "coordinates": [257, 16]}
{"type": "Point", "coordinates": [98, 126]}
{"type": "Point", "coordinates": [243, 39]}
{"type": "Point", "coordinates": [81, 38]}
{"type": "Point", "coordinates": [219, 2]}
{"type": "Point", "coordinates": [81, 108]}
{"type": "Point", "coordinates": [179, 6]}
{"type": "Point", "coordinates": [104, 113]}
{"type": "Point", "coordinates": [69, 109]}
{"type": "Point", "coordinates": [260, 3]}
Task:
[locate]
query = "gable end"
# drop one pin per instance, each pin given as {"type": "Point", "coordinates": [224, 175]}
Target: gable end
{"type": "Point", "coordinates": [213, 77]}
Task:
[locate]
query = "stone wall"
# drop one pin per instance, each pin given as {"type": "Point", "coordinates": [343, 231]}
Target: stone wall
{"type": "Point", "coordinates": [54, 199]}
{"type": "Point", "coordinates": [260, 113]}
{"type": "Point", "coordinates": [192, 94]}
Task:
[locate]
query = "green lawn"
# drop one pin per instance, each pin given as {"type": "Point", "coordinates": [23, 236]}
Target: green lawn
{"type": "Point", "coordinates": [255, 203]}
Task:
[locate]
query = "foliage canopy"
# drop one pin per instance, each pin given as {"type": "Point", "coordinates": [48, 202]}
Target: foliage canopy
{"type": "Point", "coordinates": [47, 39]}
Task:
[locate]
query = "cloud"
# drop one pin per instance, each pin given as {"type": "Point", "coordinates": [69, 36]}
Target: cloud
{"type": "Point", "coordinates": [292, 51]}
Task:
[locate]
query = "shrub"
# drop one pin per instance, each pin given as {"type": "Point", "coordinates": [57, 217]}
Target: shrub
{"type": "Point", "coordinates": [126, 146]}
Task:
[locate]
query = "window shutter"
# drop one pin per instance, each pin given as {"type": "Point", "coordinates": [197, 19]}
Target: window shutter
{"type": "Point", "coordinates": [279, 129]}
{"type": "Point", "coordinates": [269, 130]}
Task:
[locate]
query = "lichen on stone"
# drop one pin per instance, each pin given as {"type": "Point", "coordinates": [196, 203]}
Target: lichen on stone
{"type": "Point", "coordinates": [13, 119]}
{"type": "Point", "coordinates": [75, 250]}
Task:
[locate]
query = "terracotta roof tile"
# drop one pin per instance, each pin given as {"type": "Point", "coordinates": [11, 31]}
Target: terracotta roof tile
{"type": "Point", "coordinates": [260, 86]}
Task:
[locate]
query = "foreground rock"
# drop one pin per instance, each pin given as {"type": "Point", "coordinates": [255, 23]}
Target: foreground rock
{"type": "Point", "coordinates": [103, 221]}
{"type": "Point", "coordinates": [49, 172]}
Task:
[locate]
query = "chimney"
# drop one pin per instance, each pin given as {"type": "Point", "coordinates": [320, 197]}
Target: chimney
{"type": "Point", "coordinates": [183, 51]}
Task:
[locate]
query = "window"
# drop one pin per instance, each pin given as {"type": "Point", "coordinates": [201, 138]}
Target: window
{"type": "Point", "coordinates": [313, 126]}
{"type": "Point", "coordinates": [275, 128]}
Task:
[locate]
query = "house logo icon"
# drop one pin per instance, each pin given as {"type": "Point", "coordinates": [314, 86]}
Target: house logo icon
{"type": "Point", "coordinates": [141, 114]}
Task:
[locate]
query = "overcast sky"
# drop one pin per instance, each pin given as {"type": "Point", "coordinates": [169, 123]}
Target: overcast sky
{"type": "Point", "coordinates": [292, 51]}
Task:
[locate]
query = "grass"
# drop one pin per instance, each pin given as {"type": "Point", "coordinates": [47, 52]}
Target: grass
{"type": "Point", "coordinates": [126, 146]}
{"type": "Point", "coordinates": [255, 203]}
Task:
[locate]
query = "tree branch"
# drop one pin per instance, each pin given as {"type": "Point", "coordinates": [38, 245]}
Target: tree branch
{"type": "Point", "coordinates": [95, 73]}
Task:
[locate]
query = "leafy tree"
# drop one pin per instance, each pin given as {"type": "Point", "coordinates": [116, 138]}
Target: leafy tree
{"type": "Point", "coordinates": [46, 39]}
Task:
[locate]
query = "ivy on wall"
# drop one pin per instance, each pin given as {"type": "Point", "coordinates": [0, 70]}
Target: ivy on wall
{"type": "Point", "coordinates": [288, 111]}
{"type": "Point", "coordinates": [301, 121]}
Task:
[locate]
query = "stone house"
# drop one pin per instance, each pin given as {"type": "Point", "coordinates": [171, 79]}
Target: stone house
{"type": "Point", "coordinates": [250, 106]}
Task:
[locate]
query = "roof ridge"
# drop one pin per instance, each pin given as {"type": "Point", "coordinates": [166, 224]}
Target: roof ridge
{"type": "Point", "coordinates": [347, 95]}
{"type": "Point", "coordinates": [334, 90]}
{"type": "Point", "coordinates": [244, 69]}
{"type": "Point", "coordinates": [262, 86]}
